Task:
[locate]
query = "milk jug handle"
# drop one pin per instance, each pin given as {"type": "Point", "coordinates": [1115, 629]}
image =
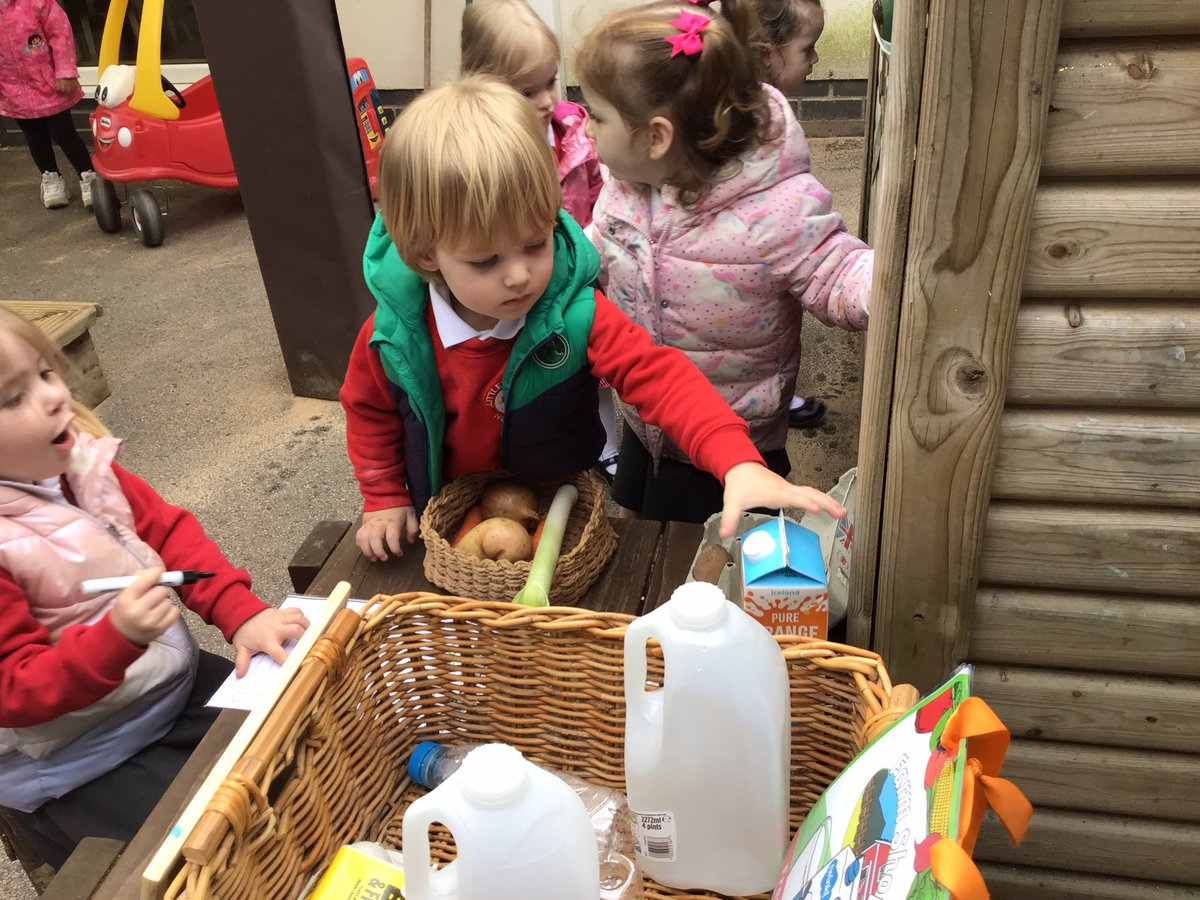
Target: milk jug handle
{"type": "Point", "coordinates": [636, 635]}
{"type": "Point", "coordinates": [416, 845]}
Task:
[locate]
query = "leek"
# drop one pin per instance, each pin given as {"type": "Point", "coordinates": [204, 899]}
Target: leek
{"type": "Point", "coordinates": [541, 571]}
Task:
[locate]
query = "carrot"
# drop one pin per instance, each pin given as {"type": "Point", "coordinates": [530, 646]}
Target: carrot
{"type": "Point", "coordinates": [473, 517]}
{"type": "Point", "coordinates": [537, 533]}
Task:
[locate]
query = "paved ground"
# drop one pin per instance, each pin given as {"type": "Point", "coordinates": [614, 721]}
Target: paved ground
{"type": "Point", "coordinates": [199, 391]}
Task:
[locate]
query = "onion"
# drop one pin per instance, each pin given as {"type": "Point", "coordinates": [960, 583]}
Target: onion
{"type": "Point", "coordinates": [510, 498]}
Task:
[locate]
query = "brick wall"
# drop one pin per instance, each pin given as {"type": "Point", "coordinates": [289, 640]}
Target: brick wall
{"type": "Point", "coordinates": [825, 108]}
{"type": "Point", "coordinates": [832, 108]}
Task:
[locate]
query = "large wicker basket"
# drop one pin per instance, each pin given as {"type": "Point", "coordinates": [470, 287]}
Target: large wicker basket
{"type": "Point", "coordinates": [330, 760]}
{"type": "Point", "coordinates": [587, 545]}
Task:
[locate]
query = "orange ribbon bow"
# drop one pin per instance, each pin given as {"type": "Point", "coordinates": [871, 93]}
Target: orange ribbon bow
{"type": "Point", "coordinates": [982, 787]}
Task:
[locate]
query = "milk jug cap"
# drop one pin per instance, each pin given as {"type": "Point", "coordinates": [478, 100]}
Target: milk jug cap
{"type": "Point", "coordinates": [493, 775]}
{"type": "Point", "coordinates": [698, 604]}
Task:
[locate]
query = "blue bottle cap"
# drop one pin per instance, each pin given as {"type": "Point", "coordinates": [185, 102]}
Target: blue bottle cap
{"type": "Point", "coordinates": [422, 759]}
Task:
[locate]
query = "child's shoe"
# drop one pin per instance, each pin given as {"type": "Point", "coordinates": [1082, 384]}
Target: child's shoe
{"type": "Point", "coordinates": [808, 414]}
{"type": "Point", "coordinates": [85, 188]}
{"type": "Point", "coordinates": [54, 191]}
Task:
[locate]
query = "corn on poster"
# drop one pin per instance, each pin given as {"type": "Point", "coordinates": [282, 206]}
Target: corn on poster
{"type": "Point", "coordinates": [869, 836]}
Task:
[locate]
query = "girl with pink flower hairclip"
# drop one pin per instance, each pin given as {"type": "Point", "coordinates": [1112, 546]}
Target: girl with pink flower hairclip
{"type": "Point", "coordinates": [713, 234]}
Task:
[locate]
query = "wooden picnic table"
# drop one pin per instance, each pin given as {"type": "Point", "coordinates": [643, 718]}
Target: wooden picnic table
{"type": "Point", "coordinates": [651, 560]}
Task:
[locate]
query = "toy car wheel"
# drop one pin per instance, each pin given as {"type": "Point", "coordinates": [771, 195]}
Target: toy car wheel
{"type": "Point", "coordinates": [147, 218]}
{"type": "Point", "coordinates": [106, 206]}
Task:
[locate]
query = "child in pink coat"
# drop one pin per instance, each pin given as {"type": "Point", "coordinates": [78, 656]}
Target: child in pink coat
{"type": "Point", "coordinates": [38, 86]}
{"type": "Point", "coordinates": [713, 234]}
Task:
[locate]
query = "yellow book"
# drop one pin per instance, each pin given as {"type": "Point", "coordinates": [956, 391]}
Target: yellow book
{"type": "Point", "coordinates": [354, 875]}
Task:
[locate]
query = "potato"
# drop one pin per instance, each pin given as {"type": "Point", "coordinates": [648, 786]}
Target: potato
{"type": "Point", "coordinates": [510, 498]}
{"type": "Point", "coordinates": [497, 538]}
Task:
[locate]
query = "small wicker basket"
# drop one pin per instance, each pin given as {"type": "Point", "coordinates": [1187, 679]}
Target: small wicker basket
{"type": "Point", "coordinates": [587, 545]}
{"type": "Point", "coordinates": [328, 766]}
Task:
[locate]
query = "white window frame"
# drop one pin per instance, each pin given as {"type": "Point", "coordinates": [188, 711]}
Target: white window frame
{"type": "Point", "coordinates": [181, 75]}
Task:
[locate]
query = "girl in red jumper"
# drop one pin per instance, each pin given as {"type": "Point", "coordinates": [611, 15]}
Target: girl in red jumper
{"type": "Point", "coordinates": [101, 696]}
{"type": "Point", "coordinates": [38, 86]}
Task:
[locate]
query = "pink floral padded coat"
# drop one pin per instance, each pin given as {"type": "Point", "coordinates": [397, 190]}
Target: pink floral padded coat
{"type": "Point", "coordinates": [36, 48]}
{"type": "Point", "coordinates": [728, 280]}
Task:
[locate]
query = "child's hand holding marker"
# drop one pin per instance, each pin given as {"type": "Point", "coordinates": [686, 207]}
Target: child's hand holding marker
{"type": "Point", "coordinates": [143, 610]}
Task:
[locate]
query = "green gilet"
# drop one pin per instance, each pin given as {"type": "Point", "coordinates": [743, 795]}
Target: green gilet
{"type": "Point", "coordinates": [551, 347]}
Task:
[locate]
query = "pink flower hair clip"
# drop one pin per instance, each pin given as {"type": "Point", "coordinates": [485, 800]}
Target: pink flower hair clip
{"type": "Point", "coordinates": [688, 41]}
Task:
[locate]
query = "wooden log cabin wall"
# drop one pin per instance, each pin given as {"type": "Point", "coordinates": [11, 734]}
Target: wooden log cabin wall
{"type": "Point", "coordinates": [1030, 459]}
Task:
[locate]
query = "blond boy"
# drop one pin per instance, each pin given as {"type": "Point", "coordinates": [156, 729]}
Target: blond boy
{"type": "Point", "coordinates": [489, 335]}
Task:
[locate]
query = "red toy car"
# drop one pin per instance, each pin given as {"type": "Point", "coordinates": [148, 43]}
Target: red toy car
{"type": "Point", "coordinates": [146, 129]}
{"type": "Point", "coordinates": [134, 146]}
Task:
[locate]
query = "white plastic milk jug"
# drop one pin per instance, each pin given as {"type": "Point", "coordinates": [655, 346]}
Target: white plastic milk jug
{"type": "Point", "coordinates": [707, 754]}
{"type": "Point", "coordinates": [521, 834]}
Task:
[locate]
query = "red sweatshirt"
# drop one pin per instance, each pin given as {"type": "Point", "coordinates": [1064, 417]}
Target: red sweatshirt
{"type": "Point", "coordinates": [661, 383]}
{"type": "Point", "coordinates": [40, 681]}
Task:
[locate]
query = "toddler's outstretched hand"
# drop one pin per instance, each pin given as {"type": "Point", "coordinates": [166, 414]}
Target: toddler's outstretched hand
{"type": "Point", "coordinates": [143, 610]}
{"type": "Point", "coordinates": [265, 632]}
{"type": "Point", "coordinates": [749, 485]}
{"type": "Point", "coordinates": [381, 530]}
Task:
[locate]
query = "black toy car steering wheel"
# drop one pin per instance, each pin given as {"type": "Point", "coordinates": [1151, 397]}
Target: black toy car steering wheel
{"type": "Point", "coordinates": [170, 90]}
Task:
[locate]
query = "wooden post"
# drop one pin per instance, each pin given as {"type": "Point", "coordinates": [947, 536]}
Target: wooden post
{"type": "Point", "coordinates": [280, 75]}
{"type": "Point", "coordinates": [888, 214]}
{"type": "Point", "coordinates": [985, 92]}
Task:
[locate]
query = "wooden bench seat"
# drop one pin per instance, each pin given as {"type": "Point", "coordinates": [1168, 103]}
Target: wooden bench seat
{"type": "Point", "coordinates": [67, 323]}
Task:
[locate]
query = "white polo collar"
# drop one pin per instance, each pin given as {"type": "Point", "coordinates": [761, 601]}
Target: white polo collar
{"type": "Point", "coordinates": [453, 330]}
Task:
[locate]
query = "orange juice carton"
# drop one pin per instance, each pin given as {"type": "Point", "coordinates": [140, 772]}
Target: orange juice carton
{"type": "Point", "coordinates": [784, 585]}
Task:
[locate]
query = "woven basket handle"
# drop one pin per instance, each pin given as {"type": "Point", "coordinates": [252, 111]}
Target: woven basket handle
{"type": "Point", "coordinates": [218, 817]}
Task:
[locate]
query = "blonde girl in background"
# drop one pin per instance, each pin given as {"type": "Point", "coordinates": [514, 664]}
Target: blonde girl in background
{"type": "Point", "coordinates": [713, 234]}
{"type": "Point", "coordinates": [102, 696]}
{"type": "Point", "coordinates": [507, 40]}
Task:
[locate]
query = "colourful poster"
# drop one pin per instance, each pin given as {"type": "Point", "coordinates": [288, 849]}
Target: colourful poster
{"type": "Point", "coordinates": [868, 837]}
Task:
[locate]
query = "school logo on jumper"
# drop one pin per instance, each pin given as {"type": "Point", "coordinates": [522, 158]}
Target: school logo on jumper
{"type": "Point", "coordinates": [553, 353]}
{"type": "Point", "coordinates": [494, 400]}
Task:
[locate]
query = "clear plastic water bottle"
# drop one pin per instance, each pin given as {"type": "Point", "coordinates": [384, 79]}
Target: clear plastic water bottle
{"type": "Point", "coordinates": [432, 763]}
